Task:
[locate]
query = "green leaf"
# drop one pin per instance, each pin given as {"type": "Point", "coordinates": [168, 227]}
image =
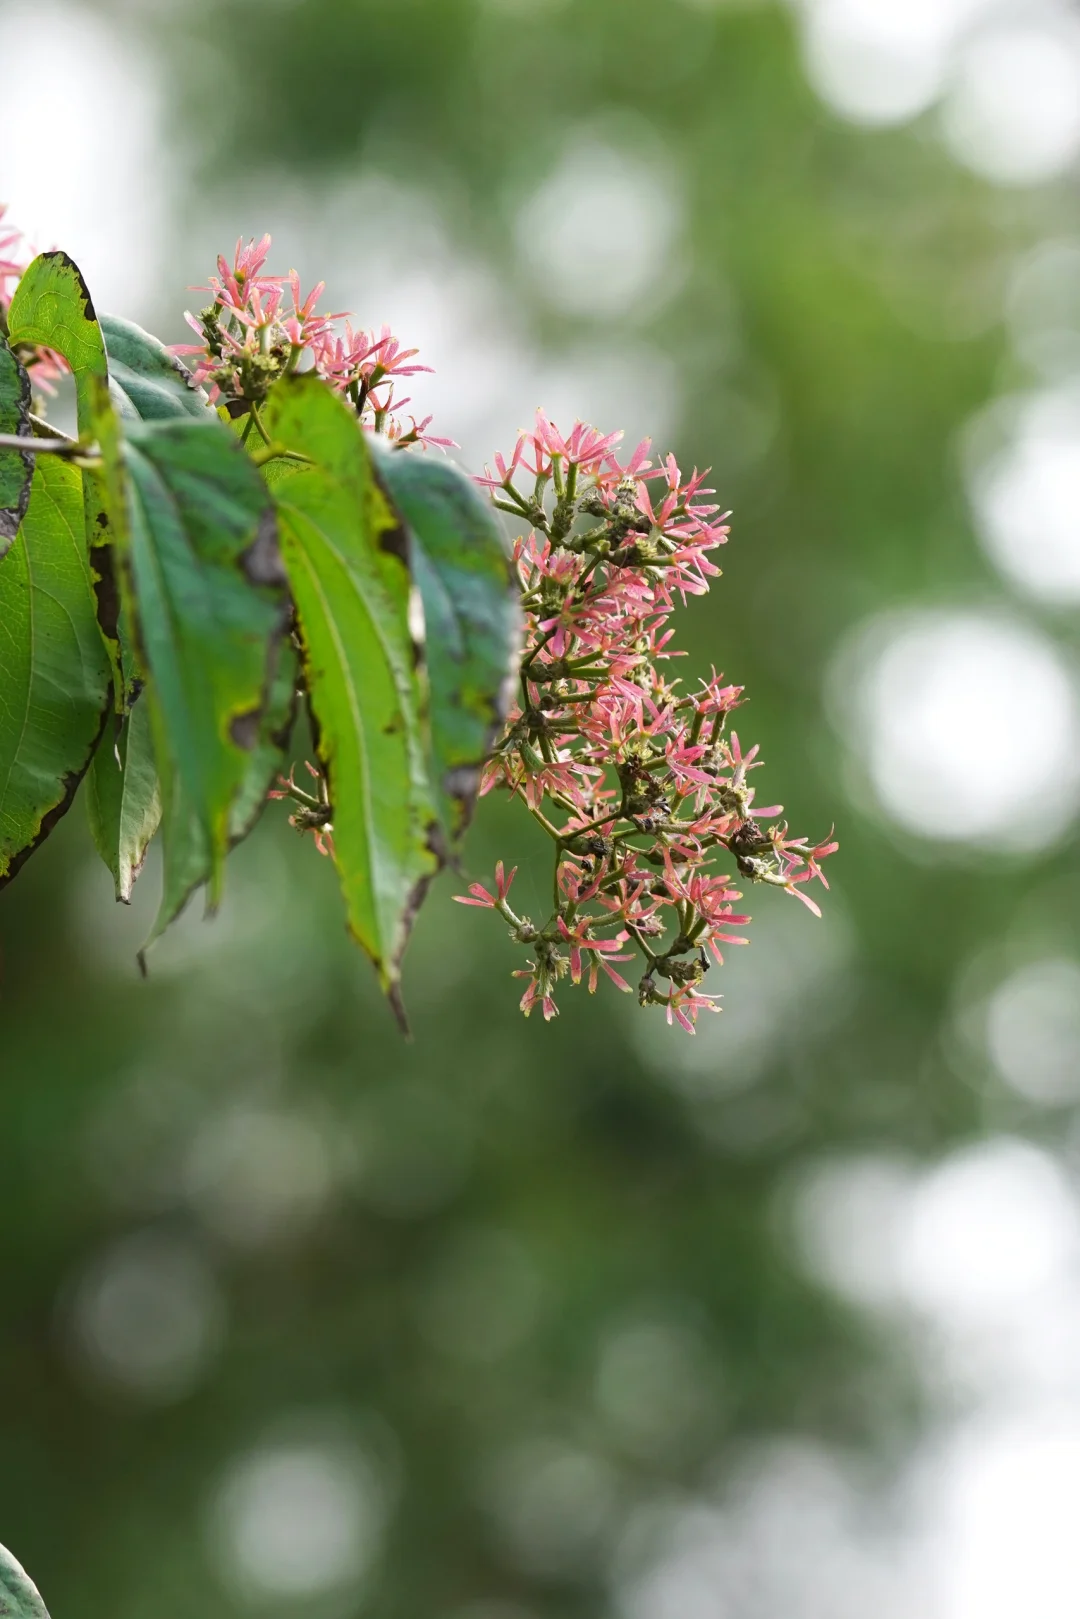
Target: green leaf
{"type": "Point", "coordinates": [122, 797]}
{"type": "Point", "coordinates": [471, 622]}
{"type": "Point", "coordinates": [54, 673]}
{"type": "Point", "coordinates": [16, 467]}
{"type": "Point", "coordinates": [202, 565]}
{"type": "Point", "coordinates": [146, 382]}
{"type": "Point", "coordinates": [346, 556]}
{"type": "Point", "coordinates": [186, 851]}
{"type": "Point", "coordinates": [19, 1596]}
{"type": "Point", "coordinates": [52, 308]}
{"type": "Point", "coordinates": [268, 757]}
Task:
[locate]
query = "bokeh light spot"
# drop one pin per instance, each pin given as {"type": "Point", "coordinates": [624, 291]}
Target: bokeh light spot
{"type": "Point", "coordinates": [1013, 110]}
{"type": "Point", "coordinates": [967, 724]}
{"type": "Point", "coordinates": [146, 1317]}
{"type": "Point", "coordinates": [297, 1520]}
{"type": "Point", "coordinates": [598, 234]}
{"type": "Point", "coordinates": [1033, 1030]}
{"type": "Point", "coordinates": [1026, 493]}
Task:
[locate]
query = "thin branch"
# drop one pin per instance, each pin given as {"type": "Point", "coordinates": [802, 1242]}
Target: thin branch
{"type": "Point", "coordinates": [85, 455]}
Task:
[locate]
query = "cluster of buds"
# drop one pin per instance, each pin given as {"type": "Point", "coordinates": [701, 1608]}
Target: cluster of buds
{"type": "Point", "coordinates": [637, 780]}
{"type": "Point", "coordinates": [259, 327]}
{"type": "Point", "coordinates": [42, 364]}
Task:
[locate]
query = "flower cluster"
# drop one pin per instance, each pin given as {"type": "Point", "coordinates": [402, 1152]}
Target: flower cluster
{"type": "Point", "coordinates": [313, 813]}
{"type": "Point", "coordinates": [15, 254]}
{"type": "Point", "coordinates": [635, 777]}
{"type": "Point", "coordinates": [259, 327]}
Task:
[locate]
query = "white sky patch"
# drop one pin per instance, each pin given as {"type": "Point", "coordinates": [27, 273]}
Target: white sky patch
{"type": "Point", "coordinates": [987, 1231]}
{"type": "Point", "coordinates": [788, 1536]}
{"type": "Point", "coordinates": [1023, 478]}
{"type": "Point", "coordinates": [966, 724]}
{"type": "Point", "coordinates": [1003, 1504]}
{"type": "Point", "coordinates": [879, 62]}
{"type": "Point", "coordinates": [966, 1245]}
{"type": "Point", "coordinates": [598, 236]}
{"type": "Point", "coordinates": [870, 64]}
{"type": "Point", "coordinates": [1006, 72]}
{"type": "Point", "coordinates": [1042, 309]}
{"type": "Point", "coordinates": [296, 1520]}
{"type": "Point", "coordinates": [89, 174]}
{"type": "Point", "coordinates": [1032, 1031]}
{"type": "Point", "coordinates": [1012, 113]}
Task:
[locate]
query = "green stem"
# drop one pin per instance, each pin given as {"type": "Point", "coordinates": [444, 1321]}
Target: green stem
{"type": "Point", "coordinates": [278, 452]}
{"type": "Point", "coordinates": [642, 946]}
{"type": "Point", "coordinates": [538, 815]}
{"type": "Point", "coordinates": [257, 419]}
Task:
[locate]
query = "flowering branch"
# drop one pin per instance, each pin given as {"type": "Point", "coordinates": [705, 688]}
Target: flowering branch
{"type": "Point", "coordinates": [258, 328]}
{"type": "Point", "coordinates": [635, 776]}
{"type": "Point", "coordinates": [649, 784]}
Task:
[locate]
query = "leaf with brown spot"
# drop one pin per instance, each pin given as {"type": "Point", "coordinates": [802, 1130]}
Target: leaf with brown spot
{"type": "Point", "coordinates": [52, 308]}
{"type": "Point", "coordinates": [122, 797]}
{"type": "Point", "coordinates": [16, 466]}
{"type": "Point", "coordinates": [209, 621]}
{"type": "Point", "coordinates": [54, 673]}
{"type": "Point", "coordinates": [345, 553]}
{"type": "Point", "coordinates": [186, 851]}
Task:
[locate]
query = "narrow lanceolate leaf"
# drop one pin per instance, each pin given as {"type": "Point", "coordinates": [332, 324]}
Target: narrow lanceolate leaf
{"type": "Point", "coordinates": [16, 468]}
{"type": "Point", "coordinates": [186, 850]}
{"type": "Point", "coordinates": [122, 797]}
{"type": "Point", "coordinates": [52, 308]}
{"type": "Point", "coordinates": [19, 1596]}
{"type": "Point", "coordinates": [346, 556]}
{"type": "Point", "coordinates": [146, 382]}
{"type": "Point", "coordinates": [471, 621]}
{"type": "Point", "coordinates": [203, 567]}
{"type": "Point", "coordinates": [54, 673]}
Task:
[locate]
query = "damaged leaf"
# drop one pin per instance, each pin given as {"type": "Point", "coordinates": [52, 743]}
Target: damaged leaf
{"type": "Point", "coordinates": [186, 865]}
{"type": "Point", "coordinates": [203, 567]}
{"type": "Point", "coordinates": [122, 797]}
{"type": "Point", "coordinates": [54, 672]}
{"type": "Point", "coordinates": [346, 556]}
{"type": "Point", "coordinates": [52, 308]}
{"type": "Point", "coordinates": [16, 467]}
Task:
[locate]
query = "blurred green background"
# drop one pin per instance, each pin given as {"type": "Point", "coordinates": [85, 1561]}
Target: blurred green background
{"type": "Point", "coordinates": [591, 1320]}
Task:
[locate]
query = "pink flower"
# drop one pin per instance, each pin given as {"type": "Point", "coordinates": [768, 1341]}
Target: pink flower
{"type": "Point", "coordinates": [259, 327]}
{"type": "Point", "coordinates": [480, 895]}
{"type": "Point", "coordinates": [635, 778]}
{"type": "Point", "coordinates": [685, 1004]}
{"type": "Point", "coordinates": [603, 953]}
